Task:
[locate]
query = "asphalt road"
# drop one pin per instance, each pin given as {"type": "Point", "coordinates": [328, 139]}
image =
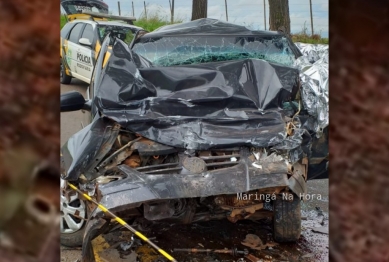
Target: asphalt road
{"type": "Point", "coordinates": [312, 247]}
{"type": "Point", "coordinates": [71, 122]}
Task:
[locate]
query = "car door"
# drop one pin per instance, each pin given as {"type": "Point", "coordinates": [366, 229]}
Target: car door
{"type": "Point", "coordinates": [85, 53]}
{"type": "Point", "coordinates": [72, 48]}
{"type": "Point", "coordinates": [65, 32]}
{"type": "Point", "coordinates": [102, 56]}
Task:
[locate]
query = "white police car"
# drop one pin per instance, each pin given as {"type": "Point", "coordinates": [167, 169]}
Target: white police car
{"type": "Point", "coordinates": [81, 42]}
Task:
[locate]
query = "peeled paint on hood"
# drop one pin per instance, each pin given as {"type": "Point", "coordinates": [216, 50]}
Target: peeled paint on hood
{"type": "Point", "coordinates": [313, 66]}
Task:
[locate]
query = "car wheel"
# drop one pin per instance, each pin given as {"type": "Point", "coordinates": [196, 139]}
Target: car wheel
{"type": "Point", "coordinates": [64, 78]}
{"type": "Point", "coordinates": [72, 227]}
{"type": "Point", "coordinates": [287, 219]}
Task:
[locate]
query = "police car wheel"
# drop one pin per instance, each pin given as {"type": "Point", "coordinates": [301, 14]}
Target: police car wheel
{"type": "Point", "coordinates": [64, 78]}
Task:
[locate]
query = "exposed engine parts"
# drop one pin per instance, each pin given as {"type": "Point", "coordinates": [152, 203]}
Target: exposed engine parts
{"type": "Point", "coordinates": [148, 158]}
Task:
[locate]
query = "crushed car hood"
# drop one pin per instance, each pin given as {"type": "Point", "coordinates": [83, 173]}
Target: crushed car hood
{"type": "Point", "coordinates": [245, 102]}
{"type": "Point", "coordinates": [201, 106]}
{"type": "Point", "coordinates": [196, 107]}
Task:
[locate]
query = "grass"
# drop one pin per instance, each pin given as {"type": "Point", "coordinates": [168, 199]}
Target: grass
{"type": "Point", "coordinates": [155, 21]}
{"type": "Point", "coordinates": [62, 20]}
{"type": "Point", "coordinates": [315, 39]}
{"type": "Point", "coordinates": [150, 24]}
{"type": "Point", "coordinates": [304, 37]}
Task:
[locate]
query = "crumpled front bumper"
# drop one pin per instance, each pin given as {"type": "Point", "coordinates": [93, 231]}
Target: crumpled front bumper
{"type": "Point", "coordinates": [138, 188]}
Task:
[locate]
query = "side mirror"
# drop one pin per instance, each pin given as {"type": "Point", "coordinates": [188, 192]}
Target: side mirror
{"type": "Point", "coordinates": [84, 41]}
{"type": "Point", "coordinates": [72, 101]}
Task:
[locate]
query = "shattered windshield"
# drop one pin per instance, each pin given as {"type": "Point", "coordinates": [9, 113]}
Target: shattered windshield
{"type": "Point", "coordinates": [185, 50]}
{"type": "Point", "coordinates": [126, 34]}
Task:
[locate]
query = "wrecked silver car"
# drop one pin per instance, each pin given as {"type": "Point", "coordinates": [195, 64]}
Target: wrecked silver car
{"type": "Point", "coordinates": [192, 122]}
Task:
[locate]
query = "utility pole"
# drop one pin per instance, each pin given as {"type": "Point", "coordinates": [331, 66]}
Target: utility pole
{"type": "Point", "coordinates": [171, 4]}
{"type": "Point", "coordinates": [133, 12]}
{"type": "Point", "coordinates": [144, 4]}
{"type": "Point", "coordinates": [225, 1]}
{"type": "Point", "coordinates": [172, 11]}
{"type": "Point", "coordinates": [264, 13]}
{"type": "Point", "coordinates": [310, 7]}
{"type": "Point", "coordinates": [119, 7]}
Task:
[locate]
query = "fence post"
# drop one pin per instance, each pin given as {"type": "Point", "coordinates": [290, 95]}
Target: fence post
{"type": "Point", "coordinates": [225, 1]}
{"type": "Point", "coordinates": [264, 13]}
{"type": "Point", "coordinates": [119, 7]}
{"type": "Point", "coordinates": [172, 11]}
{"type": "Point", "coordinates": [171, 5]}
{"type": "Point", "coordinates": [310, 7]}
{"type": "Point", "coordinates": [144, 4]}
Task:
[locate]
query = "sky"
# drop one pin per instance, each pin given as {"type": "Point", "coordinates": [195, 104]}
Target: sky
{"type": "Point", "coordinates": [244, 12]}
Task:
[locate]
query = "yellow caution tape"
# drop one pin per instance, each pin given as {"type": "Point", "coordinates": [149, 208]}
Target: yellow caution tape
{"type": "Point", "coordinates": [122, 222]}
{"type": "Point", "coordinates": [141, 236]}
{"type": "Point", "coordinates": [102, 208]}
{"type": "Point", "coordinates": [166, 255]}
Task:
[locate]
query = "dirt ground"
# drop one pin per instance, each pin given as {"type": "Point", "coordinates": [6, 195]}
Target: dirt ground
{"type": "Point", "coordinates": [311, 247]}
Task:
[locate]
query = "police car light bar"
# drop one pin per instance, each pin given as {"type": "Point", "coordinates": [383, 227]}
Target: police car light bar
{"type": "Point", "coordinates": [117, 17]}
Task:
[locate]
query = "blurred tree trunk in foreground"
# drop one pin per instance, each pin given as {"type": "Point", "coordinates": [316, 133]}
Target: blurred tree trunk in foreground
{"type": "Point", "coordinates": [199, 9]}
{"type": "Point", "coordinates": [359, 128]}
{"type": "Point", "coordinates": [29, 109]}
{"type": "Point", "coordinates": [279, 18]}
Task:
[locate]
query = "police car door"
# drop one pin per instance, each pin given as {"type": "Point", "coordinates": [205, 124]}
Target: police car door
{"type": "Point", "coordinates": [72, 47]}
{"type": "Point", "coordinates": [85, 53]}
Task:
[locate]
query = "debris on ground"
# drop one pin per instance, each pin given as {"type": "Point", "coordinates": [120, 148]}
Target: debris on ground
{"type": "Point", "coordinates": [323, 230]}
{"type": "Point", "coordinates": [311, 247]}
{"type": "Point", "coordinates": [254, 242]}
{"type": "Point", "coordinates": [234, 251]}
{"type": "Point", "coordinates": [252, 258]}
{"type": "Point", "coordinates": [148, 254]}
{"type": "Point", "coordinates": [109, 255]}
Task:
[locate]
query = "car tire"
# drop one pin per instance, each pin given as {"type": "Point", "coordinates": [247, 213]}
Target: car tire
{"type": "Point", "coordinates": [73, 239]}
{"type": "Point", "coordinates": [73, 228]}
{"type": "Point", "coordinates": [287, 219]}
{"type": "Point", "coordinates": [64, 78]}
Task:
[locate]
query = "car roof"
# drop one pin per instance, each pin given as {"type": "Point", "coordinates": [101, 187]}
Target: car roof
{"type": "Point", "coordinates": [112, 23]}
{"type": "Point", "coordinates": [208, 26]}
{"type": "Point", "coordinates": [117, 23]}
